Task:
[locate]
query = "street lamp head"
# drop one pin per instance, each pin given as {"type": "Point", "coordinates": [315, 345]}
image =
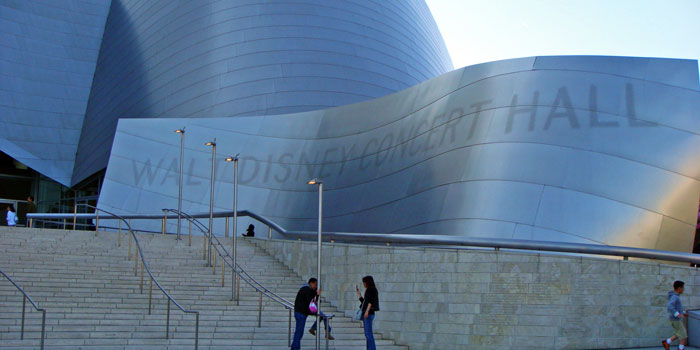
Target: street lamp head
{"type": "Point", "coordinates": [210, 143]}
{"type": "Point", "coordinates": [232, 159]}
{"type": "Point", "coordinates": [315, 181]}
{"type": "Point", "coordinates": [180, 131]}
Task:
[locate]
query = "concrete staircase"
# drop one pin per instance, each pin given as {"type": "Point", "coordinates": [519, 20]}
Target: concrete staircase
{"type": "Point", "coordinates": [93, 301]}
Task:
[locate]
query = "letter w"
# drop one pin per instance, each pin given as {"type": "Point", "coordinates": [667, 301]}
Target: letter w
{"type": "Point", "coordinates": [147, 168]}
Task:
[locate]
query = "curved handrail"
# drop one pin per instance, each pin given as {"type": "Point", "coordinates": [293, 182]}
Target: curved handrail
{"type": "Point", "coordinates": [153, 278]}
{"type": "Point", "coordinates": [31, 301]}
{"type": "Point", "coordinates": [240, 271]}
{"type": "Point", "coordinates": [497, 243]}
{"type": "Point", "coordinates": [36, 307]}
{"type": "Point", "coordinates": [442, 240]}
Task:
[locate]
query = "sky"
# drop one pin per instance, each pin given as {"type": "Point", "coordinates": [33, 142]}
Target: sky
{"type": "Point", "coordinates": [477, 31]}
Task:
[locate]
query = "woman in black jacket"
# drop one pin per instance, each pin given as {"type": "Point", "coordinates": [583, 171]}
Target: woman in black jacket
{"type": "Point", "coordinates": [370, 304]}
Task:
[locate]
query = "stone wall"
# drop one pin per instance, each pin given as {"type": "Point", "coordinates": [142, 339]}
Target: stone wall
{"type": "Point", "coordinates": [476, 299]}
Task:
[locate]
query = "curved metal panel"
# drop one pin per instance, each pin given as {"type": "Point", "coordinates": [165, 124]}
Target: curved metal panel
{"type": "Point", "coordinates": [525, 149]}
{"type": "Point", "coordinates": [48, 55]}
{"type": "Point", "coordinates": [213, 58]}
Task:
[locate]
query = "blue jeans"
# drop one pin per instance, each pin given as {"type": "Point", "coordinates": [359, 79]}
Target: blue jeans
{"type": "Point", "coordinates": [367, 322]}
{"type": "Point", "coordinates": [299, 329]}
{"type": "Point", "coordinates": [325, 322]}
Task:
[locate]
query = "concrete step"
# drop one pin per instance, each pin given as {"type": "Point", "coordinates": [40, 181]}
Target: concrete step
{"type": "Point", "coordinates": [93, 299]}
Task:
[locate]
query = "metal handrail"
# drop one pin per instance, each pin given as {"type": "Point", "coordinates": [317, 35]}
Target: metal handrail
{"type": "Point", "coordinates": [216, 243]}
{"type": "Point", "coordinates": [239, 270]}
{"type": "Point", "coordinates": [251, 281]}
{"type": "Point", "coordinates": [59, 223]}
{"type": "Point", "coordinates": [144, 265]}
{"type": "Point", "coordinates": [442, 240]}
{"type": "Point", "coordinates": [26, 297]}
{"type": "Point", "coordinates": [496, 243]}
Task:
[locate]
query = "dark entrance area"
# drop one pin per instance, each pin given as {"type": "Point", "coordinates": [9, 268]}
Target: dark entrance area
{"type": "Point", "coordinates": [17, 182]}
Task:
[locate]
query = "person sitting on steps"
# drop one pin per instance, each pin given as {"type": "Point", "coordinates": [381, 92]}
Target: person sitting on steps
{"type": "Point", "coordinates": [250, 232]}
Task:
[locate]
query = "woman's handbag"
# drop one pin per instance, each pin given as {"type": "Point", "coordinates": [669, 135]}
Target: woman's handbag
{"type": "Point", "coordinates": [358, 314]}
{"type": "Point", "coordinates": [312, 306]}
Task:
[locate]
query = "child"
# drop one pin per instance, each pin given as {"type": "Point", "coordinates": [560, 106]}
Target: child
{"type": "Point", "coordinates": [676, 314]}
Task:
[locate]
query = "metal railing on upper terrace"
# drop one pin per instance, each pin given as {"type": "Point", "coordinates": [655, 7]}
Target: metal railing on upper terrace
{"type": "Point", "coordinates": [425, 240]}
{"type": "Point", "coordinates": [26, 297]}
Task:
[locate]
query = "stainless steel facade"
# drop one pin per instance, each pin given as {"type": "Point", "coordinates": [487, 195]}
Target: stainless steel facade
{"type": "Point", "coordinates": [48, 52]}
{"type": "Point", "coordinates": [572, 149]}
{"type": "Point", "coordinates": [213, 58]}
{"type": "Point", "coordinates": [586, 149]}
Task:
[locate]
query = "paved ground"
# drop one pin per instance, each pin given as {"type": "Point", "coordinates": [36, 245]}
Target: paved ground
{"type": "Point", "coordinates": [661, 347]}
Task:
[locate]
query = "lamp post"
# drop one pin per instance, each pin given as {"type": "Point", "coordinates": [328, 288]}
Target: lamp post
{"type": "Point", "coordinates": [318, 182]}
{"type": "Point", "coordinates": [234, 159]}
{"type": "Point", "coordinates": [179, 193]}
{"type": "Point", "coordinates": [211, 197]}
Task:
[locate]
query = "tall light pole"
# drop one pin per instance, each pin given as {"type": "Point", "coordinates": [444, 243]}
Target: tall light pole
{"type": "Point", "coordinates": [179, 193]}
{"type": "Point", "coordinates": [234, 159]}
{"type": "Point", "coordinates": [211, 197]}
{"type": "Point", "coordinates": [318, 182]}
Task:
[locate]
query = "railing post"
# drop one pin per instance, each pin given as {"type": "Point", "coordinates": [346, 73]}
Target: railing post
{"type": "Point", "coordinates": [190, 233]}
{"type": "Point", "coordinates": [97, 222]}
{"type": "Point", "coordinates": [129, 258]}
{"type": "Point", "coordinates": [204, 246]}
{"type": "Point", "coordinates": [289, 328]}
{"type": "Point", "coordinates": [64, 224]}
{"type": "Point", "coordinates": [75, 214]}
{"type": "Point", "coordinates": [226, 227]}
{"type": "Point", "coordinates": [167, 322]}
{"type": "Point", "coordinates": [269, 233]}
{"type": "Point", "coordinates": [24, 303]}
{"type": "Point", "coordinates": [141, 284]}
{"type": "Point", "coordinates": [150, 293]}
{"type": "Point", "coordinates": [43, 327]}
{"type": "Point", "coordinates": [196, 331]}
{"type": "Point", "coordinates": [119, 234]}
{"type": "Point", "coordinates": [214, 264]}
{"type": "Point", "coordinates": [165, 217]}
{"type": "Point", "coordinates": [260, 310]}
{"type": "Point", "coordinates": [223, 276]}
{"type": "Point", "coordinates": [136, 261]}
{"type": "Point", "coordinates": [238, 288]}
{"type": "Point", "coordinates": [32, 221]}
{"type": "Point", "coordinates": [327, 325]}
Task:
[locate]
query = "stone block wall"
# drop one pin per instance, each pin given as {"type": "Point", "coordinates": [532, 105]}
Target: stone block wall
{"type": "Point", "coordinates": [476, 299]}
